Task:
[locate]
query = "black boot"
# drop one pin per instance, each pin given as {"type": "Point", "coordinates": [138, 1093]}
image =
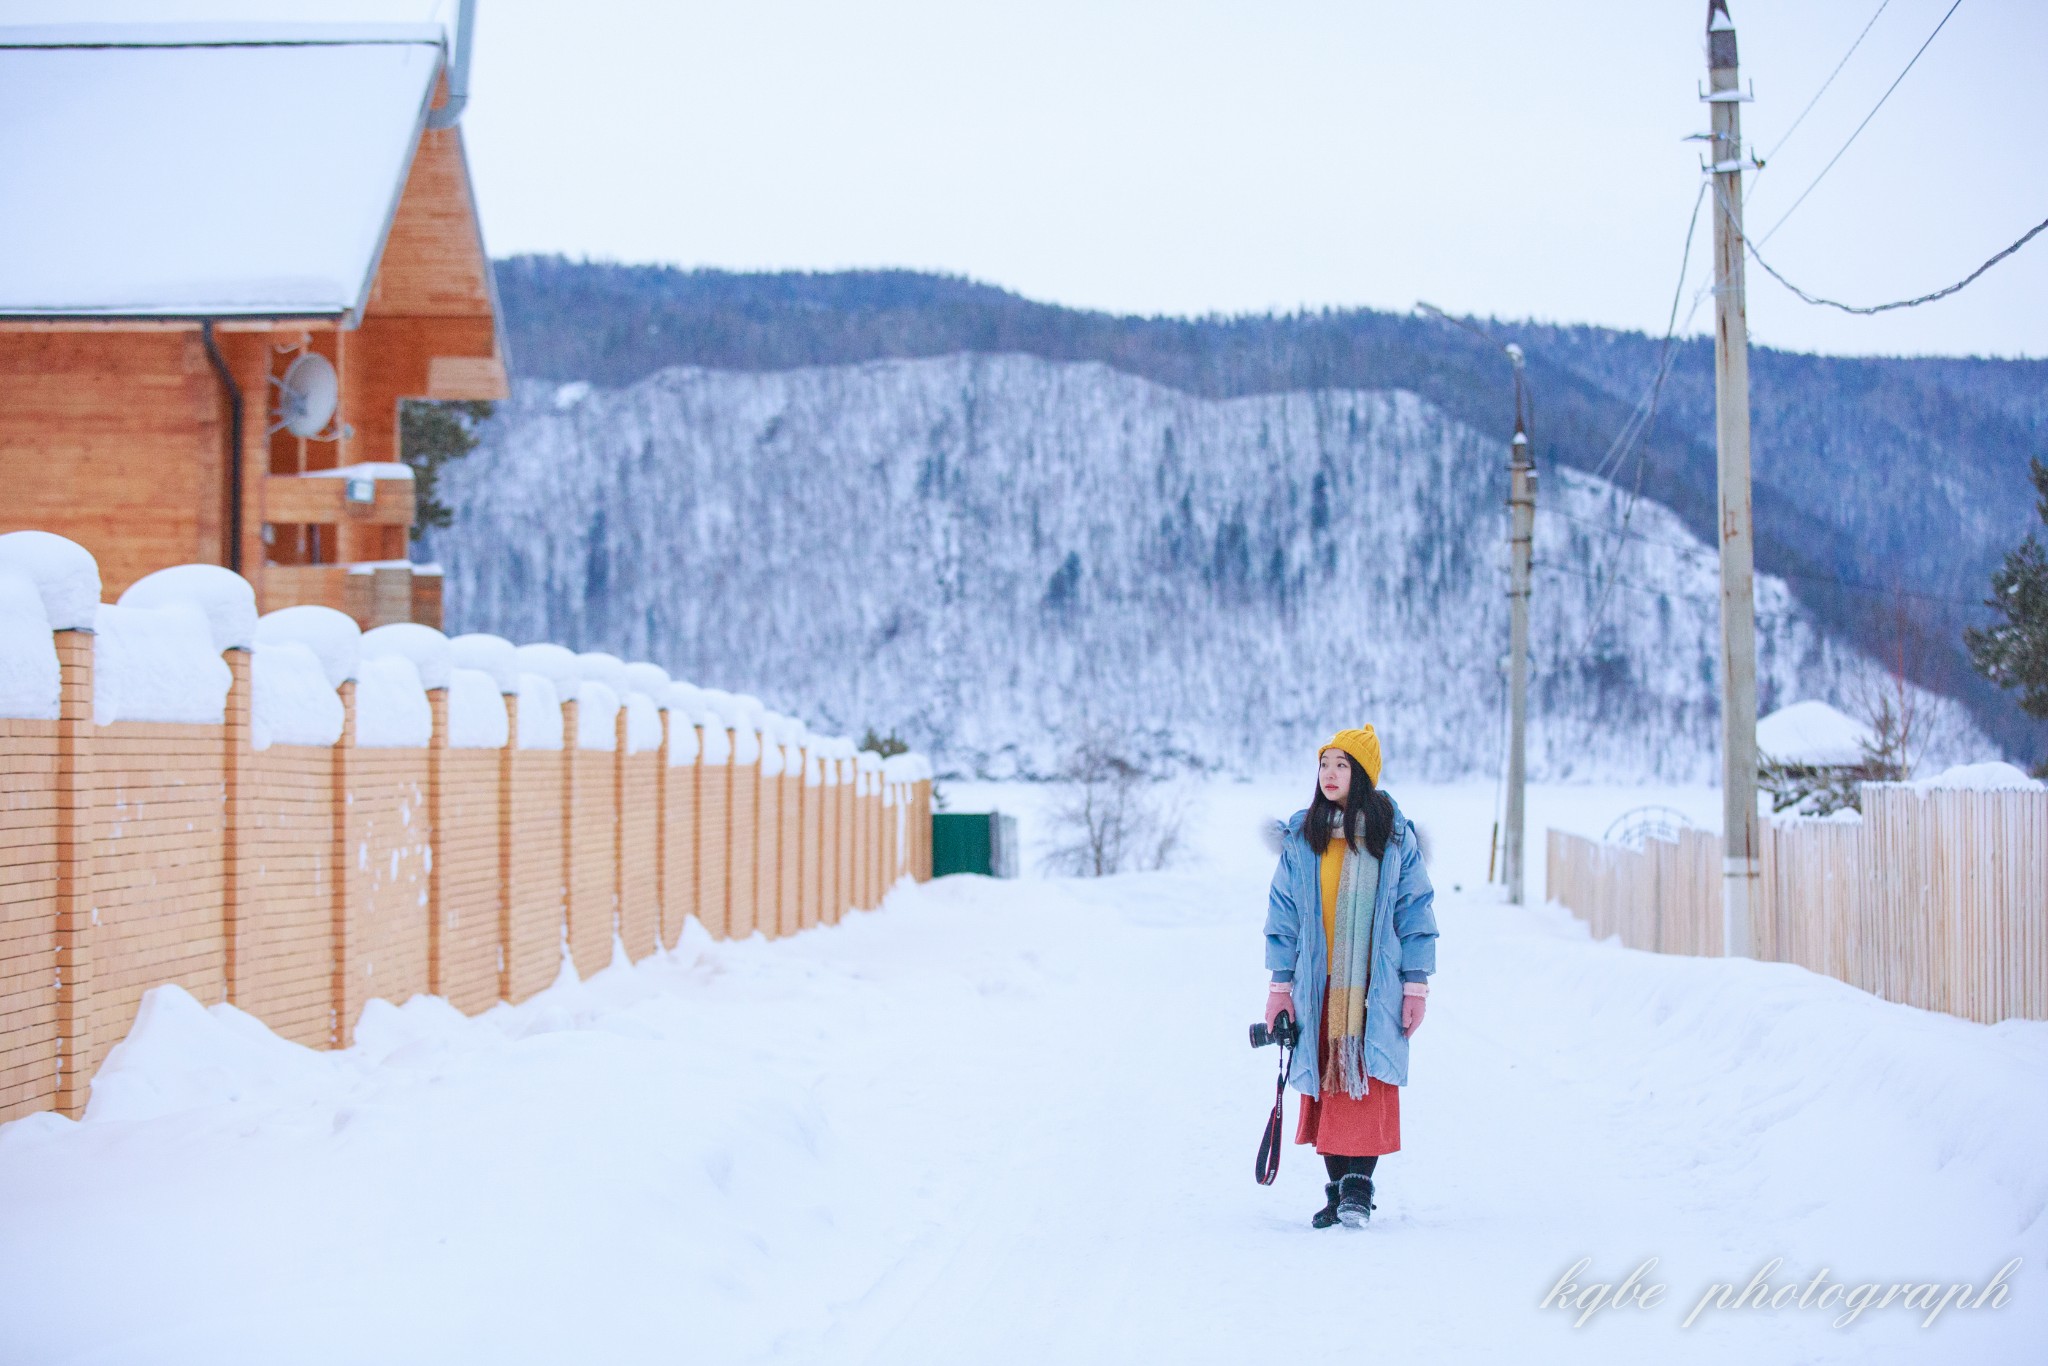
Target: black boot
{"type": "Point", "coordinates": [1327, 1215]}
{"type": "Point", "coordinates": [1354, 1199]}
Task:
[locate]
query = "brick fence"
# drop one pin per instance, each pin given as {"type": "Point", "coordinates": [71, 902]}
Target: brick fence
{"type": "Point", "coordinates": [300, 881]}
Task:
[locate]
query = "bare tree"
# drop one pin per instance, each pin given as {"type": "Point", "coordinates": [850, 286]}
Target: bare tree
{"type": "Point", "coordinates": [1115, 815]}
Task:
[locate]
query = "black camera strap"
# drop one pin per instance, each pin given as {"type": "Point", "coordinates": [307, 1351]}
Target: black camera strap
{"type": "Point", "coordinates": [1269, 1147]}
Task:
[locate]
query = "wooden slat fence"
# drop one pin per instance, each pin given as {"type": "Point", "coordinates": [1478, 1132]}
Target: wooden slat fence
{"type": "Point", "coordinates": [1937, 898]}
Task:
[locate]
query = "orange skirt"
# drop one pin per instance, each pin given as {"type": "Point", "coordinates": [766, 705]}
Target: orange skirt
{"type": "Point", "coordinates": [1342, 1127]}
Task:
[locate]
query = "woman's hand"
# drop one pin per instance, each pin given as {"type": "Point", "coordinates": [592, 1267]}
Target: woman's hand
{"type": "Point", "coordinates": [1279, 998]}
{"type": "Point", "coordinates": [1412, 1008]}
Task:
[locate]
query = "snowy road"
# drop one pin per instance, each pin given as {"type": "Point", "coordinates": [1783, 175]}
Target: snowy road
{"type": "Point", "coordinates": [1015, 1122]}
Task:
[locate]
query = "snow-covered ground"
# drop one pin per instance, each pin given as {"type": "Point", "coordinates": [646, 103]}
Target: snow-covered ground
{"type": "Point", "coordinates": [1015, 1122]}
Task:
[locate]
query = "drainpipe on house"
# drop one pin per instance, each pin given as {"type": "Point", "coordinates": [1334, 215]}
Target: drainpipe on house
{"type": "Point", "coordinates": [449, 114]}
{"type": "Point", "coordinates": [234, 396]}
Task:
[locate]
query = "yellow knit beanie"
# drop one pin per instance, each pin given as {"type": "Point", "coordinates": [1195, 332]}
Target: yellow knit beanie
{"type": "Point", "coordinates": [1363, 745]}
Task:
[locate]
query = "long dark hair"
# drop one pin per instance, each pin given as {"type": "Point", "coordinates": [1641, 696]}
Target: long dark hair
{"type": "Point", "coordinates": [1368, 815]}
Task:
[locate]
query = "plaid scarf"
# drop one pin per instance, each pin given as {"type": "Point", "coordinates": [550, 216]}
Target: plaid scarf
{"type": "Point", "coordinates": [1358, 886]}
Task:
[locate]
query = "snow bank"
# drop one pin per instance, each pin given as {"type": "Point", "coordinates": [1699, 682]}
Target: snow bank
{"type": "Point", "coordinates": [540, 712]}
{"type": "Point", "coordinates": [180, 1055]}
{"type": "Point", "coordinates": [476, 711]}
{"type": "Point", "coordinates": [600, 667]}
{"type": "Point", "coordinates": [225, 596]}
{"type": "Point", "coordinates": [489, 654]}
{"type": "Point", "coordinates": [332, 636]}
{"type": "Point", "coordinates": [1812, 733]}
{"type": "Point", "coordinates": [555, 663]}
{"type": "Point", "coordinates": [290, 700]}
{"type": "Point", "coordinates": [391, 705]}
{"type": "Point", "coordinates": [426, 647]}
{"type": "Point", "coordinates": [65, 575]}
{"type": "Point", "coordinates": [31, 682]}
{"type": "Point", "coordinates": [597, 715]}
{"type": "Point", "coordinates": [651, 679]}
{"type": "Point", "coordinates": [157, 664]}
{"type": "Point", "coordinates": [1994, 776]}
{"type": "Point", "coordinates": [643, 723]}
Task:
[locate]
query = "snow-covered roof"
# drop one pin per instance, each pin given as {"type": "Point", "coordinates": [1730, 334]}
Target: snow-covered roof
{"type": "Point", "coordinates": [1812, 733]}
{"type": "Point", "coordinates": [204, 170]}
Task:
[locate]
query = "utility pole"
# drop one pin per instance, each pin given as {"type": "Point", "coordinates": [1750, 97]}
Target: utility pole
{"type": "Point", "coordinates": [1739, 867]}
{"type": "Point", "coordinates": [1521, 533]}
{"type": "Point", "coordinates": [1521, 536]}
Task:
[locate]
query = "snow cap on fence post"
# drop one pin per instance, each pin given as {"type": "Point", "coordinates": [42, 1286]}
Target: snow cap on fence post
{"type": "Point", "coordinates": [333, 637]}
{"type": "Point", "coordinates": [540, 712]}
{"type": "Point", "coordinates": [392, 711]}
{"type": "Point", "coordinates": [556, 663]}
{"type": "Point", "coordinates": [651, 679]}
{"type": "Point", "coordinates": [157, 664]}
{"type": "Point", "coordinates": [493, 655]}
{"type": "Point", "coordinates": [599, 667]}
{"type": "Point", "coordinates": [597, 711]}
{"type": "Point", "coordinates": [476, 710]}
{"type": "Point", "coordinates": [429, 650]}
{"type": "Point", "coordinates": [223, 595]}
{"type": "Point", "coordinates": [643, 723]}
{"type": "Point", "coordinates": [31, 680]}
{"type": "Point", "coordinates": [291, 701]}
{"type": "Point", "coordinates": [65, 575]}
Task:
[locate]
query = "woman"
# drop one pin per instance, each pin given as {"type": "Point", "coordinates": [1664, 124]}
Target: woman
{"type": "Point", "coordinates": [1351, 942]}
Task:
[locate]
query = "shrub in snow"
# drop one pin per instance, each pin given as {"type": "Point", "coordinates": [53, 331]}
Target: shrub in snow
{"type": "Point", "coordinates": [643, 723]}
{"type": "Point", "coordinates": [540, 712]}
{"type": "Point", "coordinates": [290, 700]}
{"type": "Point", "coordinates": [555, 663]}
{"type": "Point", "coordinates": [597, 714]}
{"type": "Point", "coordinates": [31, 683]}
{"type": "Point", "coordinates": [600, 667]}
{"type": "Point", "coordinates": [489, 654]}
{"type": "Point", "coordinates": [391, 705]}
{"type": "Point", "coordinates": [157, 664]}
{"type": "Point", "coordinates": [1113, 816]}
{"type": "Point", "coordinates": [426, 647]}
{"type": "Point", "coordinates": [333, 637]}
{"type": "Point", "coordinates": [65, 575]}
{"type": "Point", "coordinates": [225, 596]}
{"type": "Point", "coordinates": [476, 711]}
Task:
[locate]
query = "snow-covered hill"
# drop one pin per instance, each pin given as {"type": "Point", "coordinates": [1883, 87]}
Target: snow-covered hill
{"type": "Point", "coordinates": [993, 554]}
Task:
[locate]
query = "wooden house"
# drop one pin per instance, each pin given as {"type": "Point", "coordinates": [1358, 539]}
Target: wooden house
{"type": "Point", "coordinates": [191, 209]}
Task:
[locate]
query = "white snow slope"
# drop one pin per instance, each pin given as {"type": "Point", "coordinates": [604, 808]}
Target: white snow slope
{"type": "Point", "coordinates": [1014, 1122]}
{"type": "Point", "coordinates": [995, 554]}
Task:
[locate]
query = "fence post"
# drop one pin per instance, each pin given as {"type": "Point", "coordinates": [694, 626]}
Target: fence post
{"type": "Point", "coordinates": [347, 876]}
{"type": "Point", "coordinates": [75, 819]}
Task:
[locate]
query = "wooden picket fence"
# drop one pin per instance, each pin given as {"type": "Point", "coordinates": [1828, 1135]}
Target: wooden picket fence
{"type": "Point", "coordinates": [1937, 898]}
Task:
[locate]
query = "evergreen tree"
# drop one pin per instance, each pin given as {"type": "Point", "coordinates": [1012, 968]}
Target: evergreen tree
{"type": "Point", "coordinates": [431, 433]}
{"type": "Point", "coordinates": [2013, 653]}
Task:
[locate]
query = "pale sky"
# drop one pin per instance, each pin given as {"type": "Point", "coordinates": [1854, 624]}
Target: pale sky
{"type": "Point", "coordinates": [1513, 159]}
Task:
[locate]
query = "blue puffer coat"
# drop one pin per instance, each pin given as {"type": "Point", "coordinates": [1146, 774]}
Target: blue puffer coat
{"type": "Point", "coordinates": [1404, 948]}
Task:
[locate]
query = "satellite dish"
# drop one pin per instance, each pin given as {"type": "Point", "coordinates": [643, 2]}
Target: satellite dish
{"type": "Point", "coordinates": [307, 395]}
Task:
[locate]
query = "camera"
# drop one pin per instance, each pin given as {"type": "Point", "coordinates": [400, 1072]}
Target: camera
{"type": "Point", "coordinates": [1283, 1032]}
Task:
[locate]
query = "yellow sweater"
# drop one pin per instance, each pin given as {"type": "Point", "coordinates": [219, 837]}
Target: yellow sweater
{"type": "Point", "coordinates": [1332, 870]}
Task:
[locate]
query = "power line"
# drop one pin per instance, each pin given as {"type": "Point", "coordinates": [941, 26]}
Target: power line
{"type": "Point", "coordinates": [1705, 553]}
{"type": "Point", "coordinates": [1772, 154]}
{"type": "Point", "coordinates": [1861, 126]}
{"type": "Point", "coordinates": [1916, 301]}
{"type": "Point", "coordinates": [1640, 435]}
